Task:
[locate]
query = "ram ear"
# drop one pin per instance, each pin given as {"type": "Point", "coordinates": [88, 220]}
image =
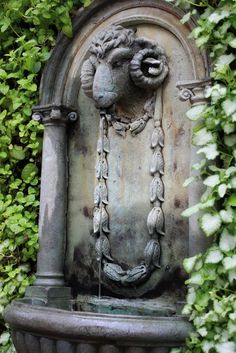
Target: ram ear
{"type": "Point", "coordinates": [87, 75]}
{"type": "Point", "coordinates": [149, 68]}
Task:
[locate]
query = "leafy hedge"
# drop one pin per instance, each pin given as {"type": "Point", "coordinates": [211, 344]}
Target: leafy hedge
{"type": "Point", "coordinates": [28, 31]}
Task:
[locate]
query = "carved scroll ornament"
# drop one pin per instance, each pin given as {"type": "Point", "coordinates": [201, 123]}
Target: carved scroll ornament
{"type": "Point", "coordinates": [124, 70]}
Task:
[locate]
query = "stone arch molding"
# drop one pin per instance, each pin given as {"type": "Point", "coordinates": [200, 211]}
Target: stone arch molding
{"type": "Point", "coordinates": [60, 103]}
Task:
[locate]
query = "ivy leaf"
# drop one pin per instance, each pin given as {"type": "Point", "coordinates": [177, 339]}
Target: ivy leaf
{"type": "Point", "coordinates": [232, 200]}
{"type": "Point", "coordinates": [227, 347]}
{"type": "Point", "coordinates": [212, 180]}
{"type": "Point", "coordinates": [189, 181]}
{"type": "Point", "coordinates": [202, 137]}
{"type": "Point", "coordinates": [230, 140]}
{"type": "Point", "coordinates": [210, 223]}
{"type": "Point", "coordinates": [227, 215]}
{"type": "Point", "coordinates": [196, 278]}
{"type": "Point", "coordinates": [17, 153]}
{"type": "Point", "coordinates": [232, 43]}
{"type": "Point", "coordinates": [229, 107]}
{"type": "Point", "coordinates": [216, 16]}
{"type": "Point", "coordinates": [227, 241]}
{"type": "Point", "coordinates": [214, 257]}
{"type": "Point", "coordinates": [4, 338]}
{"type": "Point", "coordinates": [28, 172]}
{"type": "Point", "coordinates": [222, 190]}
{"type": "Point", "coordinates": [191, 210]}
{"type": "Point", "coordinates": [210, 151]}
{"type": "Point", "coordinates": [225, 60]}
{"type": "Point", "coordinates": [195, 112]}
{"type": "Point", "coordinates": [229, 262]}
{"type": "Point", "coordinates": [190, 263]}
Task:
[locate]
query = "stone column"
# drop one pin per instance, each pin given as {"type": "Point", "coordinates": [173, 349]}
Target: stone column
{"type": "Point", "coordinates": [53, 205]}
{"type": "Point", "coordinates": [194, 92]}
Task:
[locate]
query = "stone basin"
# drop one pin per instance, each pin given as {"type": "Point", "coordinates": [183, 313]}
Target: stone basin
{"type": "Point", "coordinates": [40, 329]}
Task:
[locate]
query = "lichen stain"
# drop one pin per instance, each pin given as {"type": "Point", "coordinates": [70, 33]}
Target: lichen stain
{"type": "Point", "coordinates": [177, 203]}
{"type": "Point", "coordinates": [88, 212]}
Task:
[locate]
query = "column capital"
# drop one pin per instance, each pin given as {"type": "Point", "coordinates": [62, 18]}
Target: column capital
{"type": "Point", "coordinates": [53, 114]}
{"type": "Point", "coordinates": [193, 90]}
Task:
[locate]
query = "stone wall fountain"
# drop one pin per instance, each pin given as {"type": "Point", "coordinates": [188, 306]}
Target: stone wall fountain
{"type": "Point", "coordinates": [117, 149]}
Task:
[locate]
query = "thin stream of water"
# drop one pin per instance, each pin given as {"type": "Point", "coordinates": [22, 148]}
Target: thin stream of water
{"type": "Point", "coordinates": [102, 116]}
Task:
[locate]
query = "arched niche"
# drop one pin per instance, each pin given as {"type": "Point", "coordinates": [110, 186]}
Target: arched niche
{"type": "Point", "coordinates": [61, 91]}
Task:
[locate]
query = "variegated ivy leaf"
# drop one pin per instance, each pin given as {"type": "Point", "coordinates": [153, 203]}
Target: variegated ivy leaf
{"type": "Point", "coordinates": [228, 127]}
{"type": "Point", "coordinates": [216, 92]}
{"type": "Point", "coordinates": [227, 241]}
{"type": "Point", "coordinates": [227, 215]}
{"type": "Point", "coordinates": [198, 166]}
{"type": "Point", "coordinates": [232, 275]}
{"type": "Point", "coordinates": [190, 263]}
{"type": "Point", "coordinates": [229, 106]}
{"type": "Point", "coordinates": [202, 331]}
{"type": "Point", "coordinates": [196, 278]}
{"type": "Point", "coordinates": [233, 183]}
{"type": "Point", "coordinates": [214, 256]}
{"type": "Point", "coordinates": [226, 347]}
{"type": "Point", "coordinates": [229, 262]}
{"type": "Point", "coordinates": [216, 16]}
{"type": "Point", "coordinates": [207, 345]}
{"type": "Point", "coordinates": [224, 60]}
{"type": "Point", "coordinates": [232, 43]}
{"type": "Point", "coordinates": [195, 112]}
{"type": "Point", "coordinates": [230, 140]}
{"type": "Point", "coordinates": [222, 190]}
{"type": "Point", "coordinates": [207, 204]}
{"type": "Point", "coordinates": [189, 181]}
{"type": "Point", "coordinates": [210, 151]}
{"type": "Point", "coordinates": [210, 223]}
{"type": "Point", "coordinates": [202, 137]}
{"type": "Point", "coordinates": [191, 210]}
{"type": "Point", "coordinates": [212, 180]}
{"type": "Point", "coordinates": [191, 296]}
{"type": "Point", "coordinates": [229, 171]}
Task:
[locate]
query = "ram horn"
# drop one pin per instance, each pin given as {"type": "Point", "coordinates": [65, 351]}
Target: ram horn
{"type": "Point", "coordinates": [149, 68]}
{"type": "Point", "coordinates": [87, 74]}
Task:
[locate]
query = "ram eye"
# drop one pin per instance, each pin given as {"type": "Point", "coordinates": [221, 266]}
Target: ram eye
{"type": "Point", "coordinates": [116, 64]}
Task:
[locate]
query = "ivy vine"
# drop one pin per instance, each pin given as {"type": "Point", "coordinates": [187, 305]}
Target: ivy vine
{"type": "Point", "coordinates": [211, 299]}
{"type": "Point", "coordinates": [28, 30]}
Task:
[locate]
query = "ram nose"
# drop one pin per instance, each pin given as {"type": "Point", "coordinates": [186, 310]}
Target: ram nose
{"type": "Point", "coordinates": [103, 87]}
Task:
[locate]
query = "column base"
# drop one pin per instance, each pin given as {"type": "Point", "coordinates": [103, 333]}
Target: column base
{"type": "Point", "coordinates": [54, 297]}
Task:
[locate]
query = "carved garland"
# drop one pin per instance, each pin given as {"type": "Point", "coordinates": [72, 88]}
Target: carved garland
{"type": "Point", "coordinates": [155, 220]}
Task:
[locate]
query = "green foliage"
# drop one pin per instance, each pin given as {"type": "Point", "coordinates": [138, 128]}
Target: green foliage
{"type": "Point", "coordinates": [211, 299]}
{"type": "Point", "coordinates": [28, 30]}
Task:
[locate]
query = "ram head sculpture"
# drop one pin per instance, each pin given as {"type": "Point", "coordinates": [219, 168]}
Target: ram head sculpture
{"type": "Point", "coordinates": [123, 70]}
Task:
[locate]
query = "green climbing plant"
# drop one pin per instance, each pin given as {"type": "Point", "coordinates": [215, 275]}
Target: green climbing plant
{"type": "Point", "coordinates": [28, 31]}
{"type": "Point", "coordinates": [211, 299]}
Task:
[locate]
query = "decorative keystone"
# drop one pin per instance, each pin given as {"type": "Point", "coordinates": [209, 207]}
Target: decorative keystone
{"type": "Point", "coordinates": [193, 90]}
{"type": "Point", "coordinates": [53, 114]}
